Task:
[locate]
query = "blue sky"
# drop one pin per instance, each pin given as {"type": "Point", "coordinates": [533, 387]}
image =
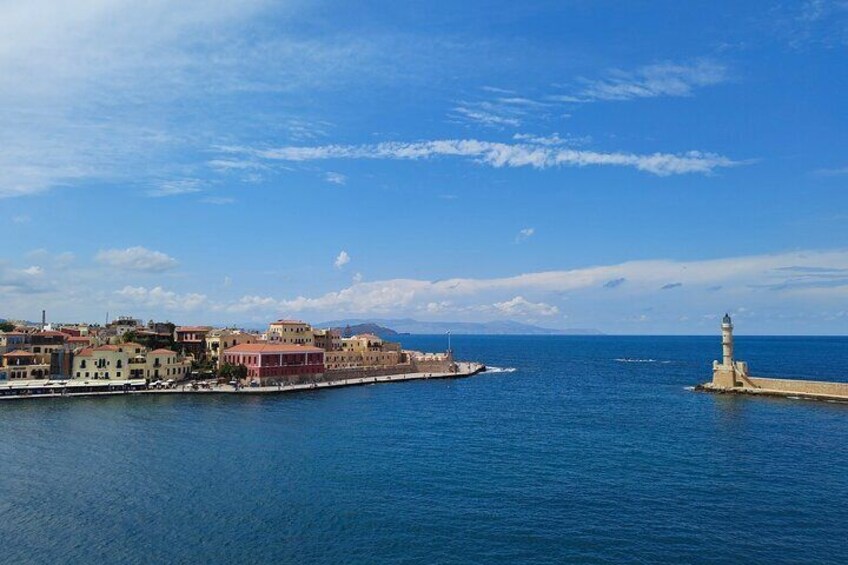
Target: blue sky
{"type": "Point", "coordinates": [633, 167]}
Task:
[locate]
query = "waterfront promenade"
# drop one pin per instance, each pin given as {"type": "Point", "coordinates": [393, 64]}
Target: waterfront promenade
{"type": "Point", "coordinates": [464, 369]}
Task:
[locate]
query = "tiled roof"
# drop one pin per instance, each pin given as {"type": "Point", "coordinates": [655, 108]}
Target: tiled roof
{"type": "Point", "coordinates": [163, 351]}
{"type": "Point", "coordinates": [273, 348]}
{"type": "Point", "coordinates": [19, 353]}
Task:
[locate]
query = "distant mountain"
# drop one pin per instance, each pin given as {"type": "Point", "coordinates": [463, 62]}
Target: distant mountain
{"type": "Point", "coordinates": [361, 328]}
{"type": "Point", "coordinates": [409, 326]}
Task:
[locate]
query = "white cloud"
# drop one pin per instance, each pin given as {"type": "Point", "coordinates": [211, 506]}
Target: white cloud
{"type": "Point", "coordinates": [342, 259]}
{"type": "Point", "coordinates": [651, 81]}
{"type": "Point", "coordinates": [21, 219]}
{"type": "Point", "coordinates": [137, 259]}
{"type": "Point", "coordinates": [357, 278]}
{"type": "Point", "coordinates": [524, 234]}
{"type": "Point", "coordinates": [335, 178]}
{"type": "Point", "coordinates": [175, 188]}
{"type": "Point", "coordinates": [159, 298]}
{"type": "Point", "coordinates": [739, 275]}
{"type": "Point", "coordinates": [519, 306]}
{"type": "Point", "coordinates": [486, 117]}
{"type": "Point", "coordinates": [504, 155]}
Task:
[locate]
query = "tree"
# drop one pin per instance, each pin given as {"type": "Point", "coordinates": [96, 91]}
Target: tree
{"type": "Point", "coordinates": [225, 371]}
{"type": "Point", "coordinates": [7, 326]}
{"type": "Point", "coordinates": [240, 372]}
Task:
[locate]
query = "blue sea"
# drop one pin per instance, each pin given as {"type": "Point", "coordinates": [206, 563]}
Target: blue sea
{"type": "Point", "coordinates": [574, 450]}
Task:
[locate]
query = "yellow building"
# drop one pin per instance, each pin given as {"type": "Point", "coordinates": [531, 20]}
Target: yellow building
{"type": "Point", "coordinates": [124, 361]}
{"type": "Point", "coordinates": [327, 339]}
{"type": "Point", "coordinates": [292, 332]}
{"type": "Point", "coordinates": [23, 365]}
{"type": "Point", "coordinates": [129, 361]}
{"type": "Point", "coordinates": [219, 340]}
{"type": "Point", "coordinates": [165, 364]}
{"type": "Point", "coordinates": [337, 360]}
{"type": "Point", "coordinates": [362, 343]}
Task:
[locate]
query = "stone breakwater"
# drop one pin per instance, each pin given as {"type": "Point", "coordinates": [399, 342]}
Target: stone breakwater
{"type": "Point", "coordinates": [464, 369]}
{"type": "Point", "coordinates": [786, 388]}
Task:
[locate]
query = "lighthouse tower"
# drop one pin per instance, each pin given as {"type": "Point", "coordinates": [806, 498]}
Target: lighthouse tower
{"type": "Point", "coordinates": [727, 341]}
{"type": "Point", "coordinates": [729, 373]}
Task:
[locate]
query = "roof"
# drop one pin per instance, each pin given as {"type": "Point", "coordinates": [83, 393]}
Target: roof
{"type": "Point", "coordinates": [14, 333]}
{"type": "Point", "coordinates": [19, 353]}
{"type": "Point", "coordinates": [301, 322]}
{"type": "Point", "coordinates": [80, 338]}
{"type": "Point", "coordinates": [368, 336]}
{"type": "Point", "coordinates": [106, 348]}
{"type": "Point", "coordinates": [193, 329]}
{"type": "Point", "coordinates": [85, 352]}
{"type": "Point", "coordinates": [52, 333]}
{"type": "Point", "coordinates": [273, 348]}
{"type": "Point", "coordinates": [163, 351]}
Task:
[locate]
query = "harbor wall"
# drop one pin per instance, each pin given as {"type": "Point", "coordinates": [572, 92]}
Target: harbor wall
{"type": "Point", "coordinates": [797, 386]}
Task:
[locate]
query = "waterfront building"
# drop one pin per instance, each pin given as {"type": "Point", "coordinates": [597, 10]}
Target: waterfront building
{"type": "Point", "coordinates": [362, 343]}
{"type": "Point", "coordinates": [109, 362]}
{"type": "Point", "coordinates": [276, 363]}
{"type": "Point", "coordinates": [45, 342]}
{"type": "Point", "coordinates": [11, 341]}
{"type": "Point", "coordinates": [166, 364]}
{"type": "Point", "coordinates": [327, 339]}
{"type": "Point", "coordinates": [23, 365]}
{"type": "Point", "coordinates": [348, 359]}
{"type": "Point", "coordinates": [294, 332]}
{"type": "Point", "coordinates": [191, 340]}
{"type": "Point", "coordinates": [217, 341]}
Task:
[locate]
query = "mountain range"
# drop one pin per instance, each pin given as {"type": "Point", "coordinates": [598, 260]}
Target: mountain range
{"type": "Point", "coordinates": [410, 326]}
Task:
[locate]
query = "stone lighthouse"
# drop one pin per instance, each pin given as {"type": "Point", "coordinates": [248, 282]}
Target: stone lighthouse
{"type": "Point", "coordinates": [727, 341]}
{"type": "Point", "coordinates": [728, 373]}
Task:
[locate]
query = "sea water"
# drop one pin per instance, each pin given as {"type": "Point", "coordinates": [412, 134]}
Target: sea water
{"type": "Point", "coordinates": [573, 449]}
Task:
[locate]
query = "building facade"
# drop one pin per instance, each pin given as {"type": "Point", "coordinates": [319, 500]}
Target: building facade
{"type": "Point", "coordinates": [218, 341]}
{"type": "Point", "coordinates": [277, 363]}
{"type": "Point", "coordinates": [294, 332]}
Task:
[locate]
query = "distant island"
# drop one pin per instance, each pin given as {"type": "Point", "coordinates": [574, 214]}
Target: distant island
{"type": "Point", "coordinates": [392, 327]}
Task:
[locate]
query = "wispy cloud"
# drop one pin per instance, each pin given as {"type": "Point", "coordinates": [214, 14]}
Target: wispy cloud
{"type": "Point", "coordinates": [837, 172]}
{"type": "Point", "coordinates": [137, 259]}
{"type": "Point", "coordinates": [499, 155]}
{"type": "Point", "coordinates": [524, 234]}
{"type": "Point", "coordinates": [651, 81]}
{"type": "Point", "coordinates": [175, 188]}
{"type": "Point", "coordinates": [335, 178]}
{"type": "Point", "coordinates": [218, 200]}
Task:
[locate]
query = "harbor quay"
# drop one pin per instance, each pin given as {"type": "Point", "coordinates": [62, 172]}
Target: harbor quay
{"type": "Point", "coordinates": [128, 357]}
{"type": "Point", "coordinates": [733, 377]}
{"type": "Point", "coordinates": [58, 389]}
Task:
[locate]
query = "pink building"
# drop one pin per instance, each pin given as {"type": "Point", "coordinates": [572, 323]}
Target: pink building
{"type": "Point", "coordinates": [276, 362]}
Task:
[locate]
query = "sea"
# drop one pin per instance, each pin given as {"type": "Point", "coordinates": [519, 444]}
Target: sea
{"type": "Point", "coordinates": [571, 449]}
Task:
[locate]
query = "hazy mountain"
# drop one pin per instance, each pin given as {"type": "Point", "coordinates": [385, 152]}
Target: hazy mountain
{"type": "Point", "coordinates": [505, 327]}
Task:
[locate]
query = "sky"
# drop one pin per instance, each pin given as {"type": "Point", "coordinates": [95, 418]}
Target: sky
{"type": "Point", "coordinates": [637, 168]}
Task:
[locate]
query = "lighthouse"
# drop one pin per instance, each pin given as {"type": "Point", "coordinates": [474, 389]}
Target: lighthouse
{"type": "Point", "coordinates": [729, 373]}
{"type": "Point", "coordinates": [727, 341]}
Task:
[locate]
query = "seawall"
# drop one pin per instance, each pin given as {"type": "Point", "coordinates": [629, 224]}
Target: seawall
{"type": "Point", "coordinates": [464, 369]}
{"type": "Point", "coordinates": [814, 390]}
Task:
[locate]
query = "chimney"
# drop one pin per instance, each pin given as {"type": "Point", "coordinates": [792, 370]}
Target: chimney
{"type": "Point", "coordinates": [43, 319]}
